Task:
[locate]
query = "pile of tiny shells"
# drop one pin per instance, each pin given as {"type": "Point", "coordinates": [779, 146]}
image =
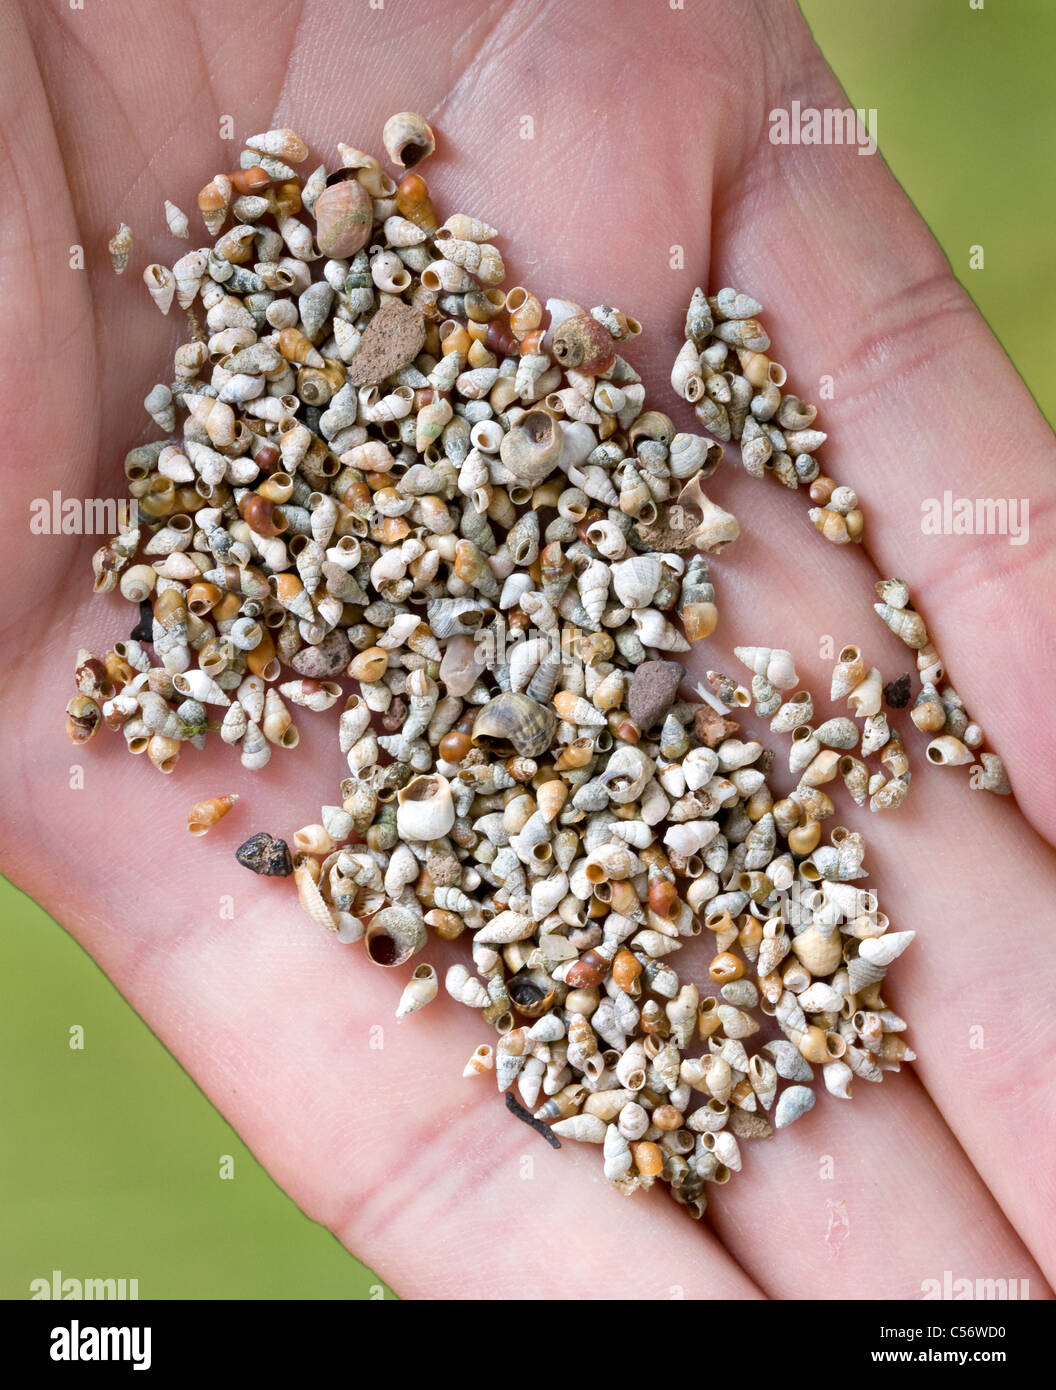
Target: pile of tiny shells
{"type": "Point", "coordinates": [398, 472]}
{"type": "Point", "coordinates": [818, 755]}
{"type": "Point", "coordinates": [774, 430]}
{"type": "Point", "coordinates": [959, 739]}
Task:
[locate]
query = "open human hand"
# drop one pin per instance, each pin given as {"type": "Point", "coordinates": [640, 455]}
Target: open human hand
{"type": "Point", "coordinates": [649, 132]}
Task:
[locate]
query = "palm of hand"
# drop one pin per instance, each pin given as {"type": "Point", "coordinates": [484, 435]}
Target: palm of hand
{"type": "Point", "coordinates": [643, 140]}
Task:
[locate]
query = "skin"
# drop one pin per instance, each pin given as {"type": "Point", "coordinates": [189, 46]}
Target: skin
{"type": "Point", "coordinates": [948, 1165]}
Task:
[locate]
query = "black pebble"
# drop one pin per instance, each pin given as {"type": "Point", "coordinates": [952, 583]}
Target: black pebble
{"type": "Point", "coordinates": [264, 854]}
{"type": "Point", "coordinates": [144, 629]}
{"type": "Point", "coordinates": [896, 693]}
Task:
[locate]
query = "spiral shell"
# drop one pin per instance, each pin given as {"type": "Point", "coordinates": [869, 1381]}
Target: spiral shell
{"type": "Point", "coordinates": [161, 283]}
{"type": "Point", "coordinates": [344, 214]}
{"type": "Point", "coordinates": [205, 814]}
{"type": "Point", "coordinates": [515, 722]}
{"type": "Point", "coordinates": [582, 343]}
{"type": "Point", "coordinates": [775, 664]}
{"type": "Point", "coordinates": [393, 935]}
{"type": "Point", "coordinates": [408, 139]}
{"type": "Point", "coordinates": [120, 247]}
{"type": "Point", "coordinates": [904, 623]}
{"type": "Point", "coordinates": [532, 448]}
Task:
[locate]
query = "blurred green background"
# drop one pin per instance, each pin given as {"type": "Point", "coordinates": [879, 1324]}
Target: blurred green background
{"type": "Point", "coordinates": [104, 1152]}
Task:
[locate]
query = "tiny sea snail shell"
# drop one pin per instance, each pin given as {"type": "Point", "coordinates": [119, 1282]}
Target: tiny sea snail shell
{"type": "Point", "coordinates": [426, 810]}
{"type": "Point", "coordinates": [344, 214]}
{"type": "Point", "coordinates": [583, 343]}
{"type": "Point", "coordinates": [394, 935]}
{"type": "Point", "coordinates": [120, 247]}
{"type": "Point", "coordinates": [531, 449]}
{"type": "Point", "coordinates": [205, 814]}
{"type": "Point", "coordinates": [408, 139]}
{"type": "Point", "coordinates": [420, 990]}
{"type": "Point", "coordinates": [514, 720]}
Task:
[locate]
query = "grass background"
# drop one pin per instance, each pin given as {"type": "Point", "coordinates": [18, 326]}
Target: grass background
{"type": "Point", "coordinates": [109, 1156]}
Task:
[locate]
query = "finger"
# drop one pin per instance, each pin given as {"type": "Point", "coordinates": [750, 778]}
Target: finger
{"type": "Point", "coordinates": [925, 402]}
{"type": "Point", "coordinates": [867, 1199]}
{"type": "Point", "coordinates": [46, 306]}
{"type": "Point", "coordinates": [956, 866]}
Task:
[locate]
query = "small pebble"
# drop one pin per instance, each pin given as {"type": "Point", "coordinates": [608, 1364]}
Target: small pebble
{"type": "Point", "coordinates": [265, 854]}
{"type": "Point", "coordinates": [327, 659]}
{"type": "Point", "coordinates": [652, 692]}
{"type": "Point", "coordinates": [392, 338]}
{"type": "Point", "coordinates": [896, 693]}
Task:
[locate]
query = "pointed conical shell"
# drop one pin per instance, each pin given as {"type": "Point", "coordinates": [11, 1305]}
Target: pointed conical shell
{"type": "Point", "coordinates": [585, 1129]}
{"type": "Point", "coordinates": [420, 990]}
{"type": "Point", "coordinates": [482, 1060]}
{"type": "Point", "coordinates": [849, 671]}
{"type": "Point", "coordinates": [282, 144]}
{"type": "Point", "coordinates": [204, 815]}
{"type": "Point", "coordinates": [904, 623]}
{"type": "Point", "coordinates": [199, 686]}
{"type": "Point", "coordinates": [234, 725]}
{"type": "Point", "coordinates": [575, 710]}
{"type": "Point", "coordinates": [161, 283]}
{"type": "Point", "coordinates": [893, 592]}
{"type": "Point", "coordinates": [120, 247]}
{"type": "Point", "coordinates": [882, 950]}
{"type": "Point", "coordinates": [189, 272]}
{"type": "Point", "coordinates": [251, 696]}
{"type": "Point", "coordinates": [176, 219]}
{"type": "Point", "coordinates": [551, 797]}
{"type": "Point", "coordinates": [312, 900]}
{"type": "Point", "coordinates": [256, 750]}
{"type": "Point", "coordinates": [510, 1057]}
{"type": "Point", "coordinates": [468, 228]}
{"type": "Point", "coordinates": [773, 663]}
{"type": "Point", "coordinates": [862, 972]}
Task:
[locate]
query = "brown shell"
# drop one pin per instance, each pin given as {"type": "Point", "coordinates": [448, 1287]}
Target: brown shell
{"type": "Point", "coordinates": [581, 342]}
{"type": "Point", "coordinates": [513, 722]}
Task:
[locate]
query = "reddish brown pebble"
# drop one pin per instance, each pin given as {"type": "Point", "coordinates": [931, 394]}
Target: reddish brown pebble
{"type": "Point", "coordinates": [393, 337]}
{"type": "Point", "coordinates": [711, 727]}
{"type": "Point", "coordinates": [652, 692]}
